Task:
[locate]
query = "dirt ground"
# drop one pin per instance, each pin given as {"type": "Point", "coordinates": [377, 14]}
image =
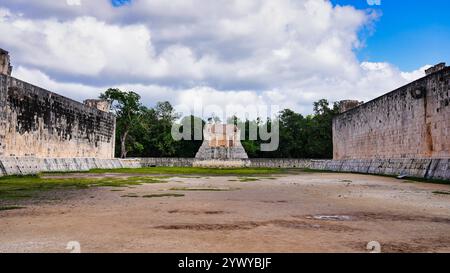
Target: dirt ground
{"type": "Point", "coordinates": [306, 212]}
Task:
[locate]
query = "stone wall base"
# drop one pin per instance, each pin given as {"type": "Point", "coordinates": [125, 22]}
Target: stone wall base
{"type": "Point", "coordinates": [34, 165]}
{"type": "Point", "coordinates": [438, 169]}
{"type": "Point", "coordinates": [215, 163]}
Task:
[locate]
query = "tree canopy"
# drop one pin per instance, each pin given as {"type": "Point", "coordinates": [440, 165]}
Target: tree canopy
{"type": "Point", "coordinates": [147, 132]}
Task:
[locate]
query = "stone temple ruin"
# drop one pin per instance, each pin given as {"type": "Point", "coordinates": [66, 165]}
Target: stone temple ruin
{"type": "Point", "coordinates": [5, 66]}
{"type": "Point", "coordinates": [221, 146]}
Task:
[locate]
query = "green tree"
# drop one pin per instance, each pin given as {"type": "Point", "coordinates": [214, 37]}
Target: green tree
{"type": "Point", "coordinates": [165, 117]}
{"type": "Point", "coordinates": [320, 144]}
{"type": "Point", "coordinates": [139, 137]}
{"type": "Point", "coordinates": [189, 147]}
{"type": "Point", "coordinates": [128, 110]}
{"type": "Point", "coordinates": [292, 141]}
{"type": "Point", "coordinates": [155, 131]}
{"type": "Point", "coordinates": [147, 132]}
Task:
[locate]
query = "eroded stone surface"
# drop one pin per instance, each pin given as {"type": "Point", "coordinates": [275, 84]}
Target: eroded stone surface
{"type": "Point", "coordinates": [5, 65]}
{"type": "Point", "coordinates": [35, 122]}
{"type": "Point", "coordinates": [221, 142]}
{"type": "Point", "coordinates": [412, 122]}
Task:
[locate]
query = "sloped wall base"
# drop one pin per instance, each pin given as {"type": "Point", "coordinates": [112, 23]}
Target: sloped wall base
{"type": "Point", "coordinates": [421, 168]}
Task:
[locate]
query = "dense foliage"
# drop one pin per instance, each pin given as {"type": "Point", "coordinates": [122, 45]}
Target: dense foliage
{"type": "Point", "coordinates": [146, 132]}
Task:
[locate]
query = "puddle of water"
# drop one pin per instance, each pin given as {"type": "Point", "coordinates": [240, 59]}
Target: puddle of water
{"type": "Point", "coordinates": [331, 217]}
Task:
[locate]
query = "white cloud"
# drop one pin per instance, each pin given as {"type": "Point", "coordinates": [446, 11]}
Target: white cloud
{"type": "Point", "coordinates": [283, 52]}
{"type": "Point", "coordinates": [73, 2]}
{"type": "Point", "coordinates": [75, 91]}
{"type": "Point", "coordinates": [416, 74]}
{"type": "Point", "coordinates": [84, 46]}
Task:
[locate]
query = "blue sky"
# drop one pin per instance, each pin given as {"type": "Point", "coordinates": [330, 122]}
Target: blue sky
{"type": "Point", "coordinates": [119, 3]}
{"type": "Point", "coordinates": [408, 33]}
{"type": "Point", "coordinates": [288, 53]}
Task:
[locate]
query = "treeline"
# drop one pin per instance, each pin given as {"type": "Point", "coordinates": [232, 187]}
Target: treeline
{"type": "Point", "coordinates": [147, 132]}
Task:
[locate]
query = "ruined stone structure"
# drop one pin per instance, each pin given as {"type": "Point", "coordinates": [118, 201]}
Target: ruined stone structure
{"type": "Point", "coordinates": [346, 105]}
{"type": "Point", "coordinates": [435, 68]}
{"type": "Point", "coordinates": [221, 147]}
{"type": "Point", "coordinates": [5, 66]}
{"type": "Point", "coordinates": [37, 123]}
{"type": "Point", "coordinates": [102, 105]}
{"type": "Point", "coordinates": [405, 132]}
{"type": "Point", "coordinates": [221, 142]}
{"type": "Point", "coordinates": [412, 122]}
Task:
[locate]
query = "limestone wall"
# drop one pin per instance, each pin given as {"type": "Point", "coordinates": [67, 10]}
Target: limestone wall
{"type": "Point", "coordinates": [38, 123]}
{"type": "Point", "coordinates": [421, 168]}
{"type": "Point", "coordinates": [167, 162]}
{"type": "Point", "coordinates": [410, 122]}
{"type": "Point", "coordinates": [34, 165]}
{"type": "Point", "coordinates": [280, 163]}
{"type": "Point", "coordinates": [5, 65]}
{"type": "Point", "coordinates": [438, 169]}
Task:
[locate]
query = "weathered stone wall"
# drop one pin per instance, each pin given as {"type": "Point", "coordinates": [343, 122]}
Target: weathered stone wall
{"type": "Point", "coordinates": [409, 123]}
{"type": "Point", "coordinates": [5, 65]}
{"type": "Point", "coordinates": [34, 165]}
{"type": "Point", "coordinates": [166, 162]}
{"type": "Point", "coordinates": [38, 123]}
{"type": "Point", "coordinates": [420, 168]}
{"type": "Point", "coordinates": [438, 169]}
{"type": "Point", "coordinates": [280, 163]}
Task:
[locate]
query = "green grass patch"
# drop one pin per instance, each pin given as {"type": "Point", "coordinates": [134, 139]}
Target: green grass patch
{"type": "Point", "coordinates": [252, 179]}
{"type": "Point", "coordinates": [423, 180]}
{"type": "Point", "coordinates": [248, 179]}
{"type": "Point", "coordinates": [163, 195]}
{"type": "Point", "coordinates": [21, 187]}
{"type": "Point", "coordinates": [442, 192]}
{"type": "Point", "coordinates": [306, 170]}
{"type": "Point", "coordinates": [193, 171]}
{"type": "Point", "coordinates": [10, 208]}
{"type": "Point", "coordinates": [204, 189]}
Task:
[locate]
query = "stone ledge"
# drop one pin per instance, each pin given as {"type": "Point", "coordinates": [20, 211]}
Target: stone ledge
{"type": "Point", "coordinates": [216, 163]}
{"type": "Point", "coordinates": [438, 169]}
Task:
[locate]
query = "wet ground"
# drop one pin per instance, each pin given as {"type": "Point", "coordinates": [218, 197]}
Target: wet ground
{"type": "Point", "coordinates": [305, 212]}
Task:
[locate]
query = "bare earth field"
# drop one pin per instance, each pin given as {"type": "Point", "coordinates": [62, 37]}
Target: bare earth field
{"type": "Point", "coordinates": [304, 212]}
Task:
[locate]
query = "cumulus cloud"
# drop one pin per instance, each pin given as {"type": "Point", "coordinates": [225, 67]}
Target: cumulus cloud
{"type": "Point", "coordinates": [75, 91]}
{"type": "Point", "coordinates": [416, 74]}
{"type": "Point", "coordinates": [201, 101]}
{"type": "Point", "coordinates": [283, 52]}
